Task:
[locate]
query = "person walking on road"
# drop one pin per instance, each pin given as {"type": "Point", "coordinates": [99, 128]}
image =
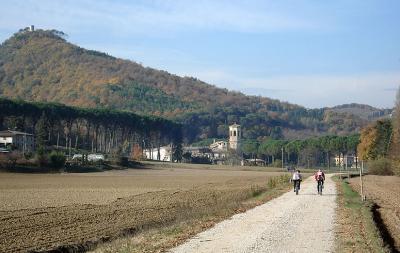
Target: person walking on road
{"type": "Point", "coordinates": [296, 179]}
{"type": "Point", "coordinates": [320, 178]}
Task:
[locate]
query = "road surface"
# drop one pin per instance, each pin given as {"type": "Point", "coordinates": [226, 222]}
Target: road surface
{"type": "Point", "coordinates": [289, 223]}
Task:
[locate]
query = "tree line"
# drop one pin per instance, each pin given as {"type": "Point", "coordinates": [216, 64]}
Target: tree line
{"type": "Point", "coordinates": [98, 130]}
{"type": "Point", "coordinates": [309, 152]}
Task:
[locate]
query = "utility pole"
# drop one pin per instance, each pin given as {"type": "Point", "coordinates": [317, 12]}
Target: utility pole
{"type": "Point", "coordinates": [24, 145]}
{"type": "Point", "coordinates": [361, 182]}
{"type": "Point", "coordinates": [144, 146]}
{"type": "Point", "coordinates": [283, 164]}
{"type": "Point", "coordinates": [347, 168]}
{"type": "Point", "coordinates": [340, 167]}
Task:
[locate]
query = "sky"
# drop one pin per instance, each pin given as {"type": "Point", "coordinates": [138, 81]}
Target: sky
{"type": "Point", "coordinates": [313, 53]}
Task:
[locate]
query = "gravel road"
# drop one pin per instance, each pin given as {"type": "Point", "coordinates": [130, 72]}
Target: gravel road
{"type": "Point", "coordinates": [290, 223]}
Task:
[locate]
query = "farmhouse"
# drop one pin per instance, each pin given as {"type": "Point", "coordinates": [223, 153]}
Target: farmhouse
{"type": "Point", "coordinates": [160, 154]}
{"type": "Point", "coordinates": [21, 141]}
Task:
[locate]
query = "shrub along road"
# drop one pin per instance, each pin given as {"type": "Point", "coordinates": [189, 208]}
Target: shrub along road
{"type": "Point", "coordinates": [290, 223]}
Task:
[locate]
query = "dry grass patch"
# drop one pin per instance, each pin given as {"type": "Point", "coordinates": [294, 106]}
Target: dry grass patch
{"type": "Point", "coordinates": [164, 238]}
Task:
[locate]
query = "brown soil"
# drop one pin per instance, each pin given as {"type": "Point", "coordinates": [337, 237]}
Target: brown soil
{"type": "Point", "coordinates": [384, 191]}
{"type": "Point", "coordinates": [45, 212]}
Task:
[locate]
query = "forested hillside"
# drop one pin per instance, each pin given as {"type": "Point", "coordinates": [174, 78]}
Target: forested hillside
{"type": "Point", "coordinates": [43, 66]}
{"type": "Point", "coordinates": [363, 111]}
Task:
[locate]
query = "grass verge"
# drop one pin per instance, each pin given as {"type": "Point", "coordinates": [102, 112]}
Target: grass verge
{"type": "Point", "coordinates": [356, 230]}
{"type": "Point", "coordinates": [163, 238]}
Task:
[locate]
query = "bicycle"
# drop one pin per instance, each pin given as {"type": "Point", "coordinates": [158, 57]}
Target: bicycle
{"type": "Point", "coordinates": [320, 186]}
{"type": "Point", "coordinates": [297, 187]}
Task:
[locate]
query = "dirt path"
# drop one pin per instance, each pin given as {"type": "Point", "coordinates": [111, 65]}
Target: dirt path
{"type": "Point", "coordinates": [290, 223]}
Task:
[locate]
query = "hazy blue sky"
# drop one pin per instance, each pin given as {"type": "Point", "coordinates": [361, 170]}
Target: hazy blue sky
{"type": "Point", "coordinates": [313, 53]}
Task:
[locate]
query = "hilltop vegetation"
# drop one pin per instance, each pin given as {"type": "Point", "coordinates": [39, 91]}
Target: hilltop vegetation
{"type": "Point", "coordinates": [43, 66]}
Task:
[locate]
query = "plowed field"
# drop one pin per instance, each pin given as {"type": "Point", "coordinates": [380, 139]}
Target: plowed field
{"type": "Point", "coordinates": [66, 211]}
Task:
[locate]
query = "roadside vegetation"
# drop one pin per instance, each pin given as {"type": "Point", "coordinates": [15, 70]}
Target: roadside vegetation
{"type": "Point", "coordinates": [372, 225]}
{"type": "Point", "coordinates": [356, 230]}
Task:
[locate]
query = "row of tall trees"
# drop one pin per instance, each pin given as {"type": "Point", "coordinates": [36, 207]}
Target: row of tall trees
{"type": "Point", "coordinates": [309, 152]}
{"type": "Point", "coordinates": [98, 130]}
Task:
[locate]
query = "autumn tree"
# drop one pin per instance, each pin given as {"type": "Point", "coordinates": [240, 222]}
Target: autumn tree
{"type": "Point", "coordinates": [395, 141]}
{"type": "Point", "coordinates": [375, 140]}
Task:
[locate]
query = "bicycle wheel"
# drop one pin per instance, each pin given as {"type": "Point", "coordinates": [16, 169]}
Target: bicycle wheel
{"type": "Point", "coordinates": [319, 187]}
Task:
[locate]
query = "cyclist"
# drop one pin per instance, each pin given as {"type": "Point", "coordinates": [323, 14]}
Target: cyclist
{"type": "Point", "coordinates": [296, 178]}
{"type": "Point", "coordinates": [320, 178]}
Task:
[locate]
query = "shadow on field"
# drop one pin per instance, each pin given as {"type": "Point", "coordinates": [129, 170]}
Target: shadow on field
{"type": "Point", "coordinates": [385, 234]}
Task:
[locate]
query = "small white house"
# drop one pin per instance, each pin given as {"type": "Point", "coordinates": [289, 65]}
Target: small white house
{"type": "Point", "coordinates": [21, 141]}
{"type": "Point", "coordinates": [159, 154]}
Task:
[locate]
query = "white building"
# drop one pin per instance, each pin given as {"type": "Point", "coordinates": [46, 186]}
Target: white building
{"type": "Point", "coordinates": [19, 140]}
{"type": "Point", "coordinates": [219, 146]}
{"type": "Point", "coordinates": [159, 154]}
{"type": "Point", "coordinates": [351, 161]}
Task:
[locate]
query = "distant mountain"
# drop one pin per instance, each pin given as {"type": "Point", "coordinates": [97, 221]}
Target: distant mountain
{"type": "Point", "coordinates": [43, 66]}
{"type": "Point", "coordinates": [366, 112]}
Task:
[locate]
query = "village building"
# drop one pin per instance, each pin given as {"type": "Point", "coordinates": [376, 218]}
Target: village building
{"type": "Point", "coordinates": [216, 152]}
{"type": "Point", "coordinates": [350, 160]}
{"type": "Point", "coordinates": [20, 141]}
{"type": "Point", "coordinates": [198, 151]}
{"type": "Point", "coordinates": [219, 149]}
{"type": "Point", "coordinates": [159, 154]}
{"type": "Point", "coordinates": [219, 146]}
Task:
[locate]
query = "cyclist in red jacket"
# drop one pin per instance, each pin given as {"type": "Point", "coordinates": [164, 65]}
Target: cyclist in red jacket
{"type": "Point", "coordinates": [320, 178]}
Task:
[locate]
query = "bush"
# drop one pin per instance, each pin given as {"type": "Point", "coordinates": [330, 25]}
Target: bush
{"type": "Point", "coordinates": [8, 160]}
{"type": "Point", "coordinates": [382, 166]}
{"type": "Point", "coordinates": [396, 167]}
{"type": "Point", "coordinates": [123, 161]}
{"type": "Point", "coordinates": [41, 157]}
{"type": "Point", "coordinates": [277, 163]}
{"type": "Point", "coordinates": [256, 190]}
{"type": "Point", "coordinates": [57, 160]}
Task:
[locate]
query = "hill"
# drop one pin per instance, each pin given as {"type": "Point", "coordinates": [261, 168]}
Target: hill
{"type": "Point", "coordinates": [366, 112]}
{"type": "Point", "coordinates": [43, 66]}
